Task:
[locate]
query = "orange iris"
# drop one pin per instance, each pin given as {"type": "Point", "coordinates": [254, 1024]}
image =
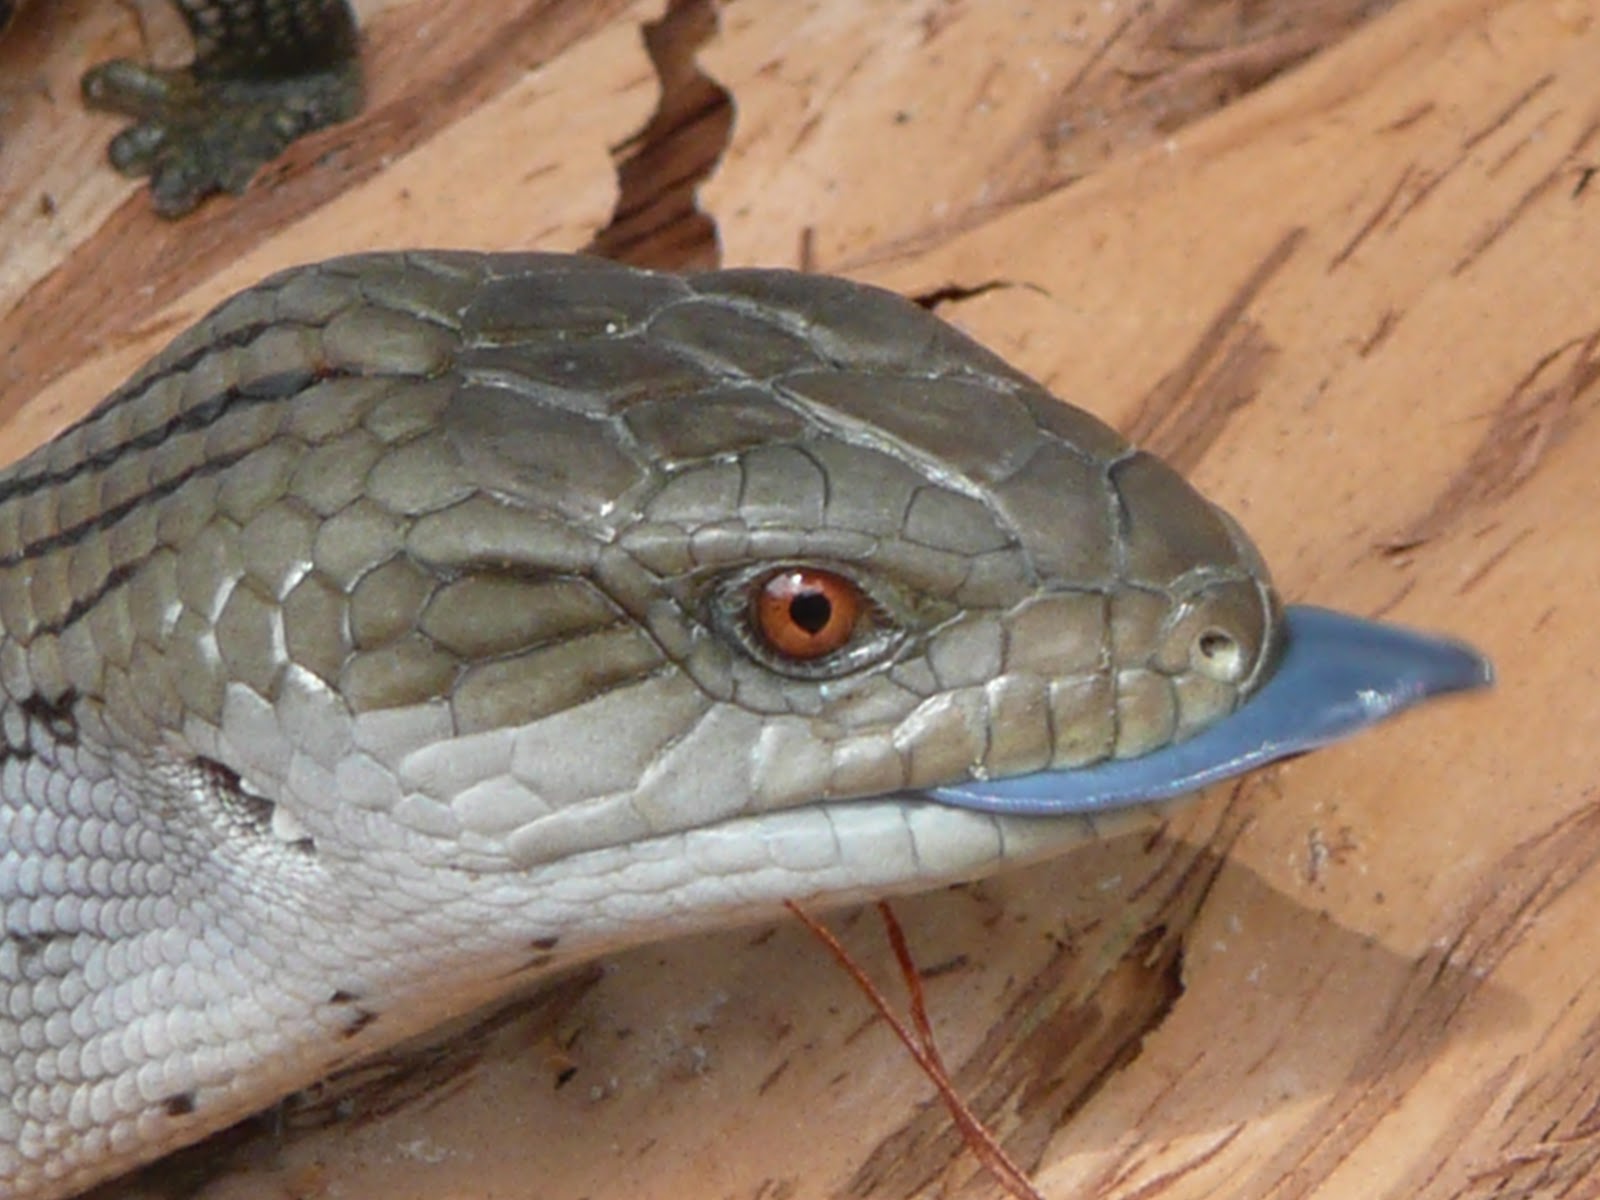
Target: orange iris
{"type": "Point", "coordinates": [805, 613]}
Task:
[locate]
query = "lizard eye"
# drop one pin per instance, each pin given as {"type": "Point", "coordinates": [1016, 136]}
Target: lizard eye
{"type": "Point", "coordinates": [801, 614]}
{"type": "Point", "coordinates": [810, 622]}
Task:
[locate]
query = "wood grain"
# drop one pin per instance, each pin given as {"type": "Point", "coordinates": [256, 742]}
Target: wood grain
{"type": "Point", "coordinates": [1339, 261]}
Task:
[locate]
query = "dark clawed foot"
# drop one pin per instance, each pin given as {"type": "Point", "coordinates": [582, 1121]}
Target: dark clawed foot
{"type": "Point", "coordinates": [194, 136]}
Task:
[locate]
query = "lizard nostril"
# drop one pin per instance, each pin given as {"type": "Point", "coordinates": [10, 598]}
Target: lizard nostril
{"type": "Point", "coordinates": [1219, 656]}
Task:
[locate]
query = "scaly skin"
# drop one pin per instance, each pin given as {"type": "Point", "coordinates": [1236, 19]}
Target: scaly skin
{"type": "Point", "coordinates": [386, 642]}
{"type": "Point", "coordinates": [265, 72]}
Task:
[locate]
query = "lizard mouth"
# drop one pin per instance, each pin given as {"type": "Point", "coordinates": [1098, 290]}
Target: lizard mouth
{"type": "Point", "coordinates": [1337, 675]}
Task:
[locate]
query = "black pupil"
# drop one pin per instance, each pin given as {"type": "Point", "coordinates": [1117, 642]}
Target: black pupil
{"type": "Point", "coordinates": [811, 611]}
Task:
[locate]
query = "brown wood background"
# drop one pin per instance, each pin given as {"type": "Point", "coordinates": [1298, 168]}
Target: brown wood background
{"type": "Point", "coordinates": [1340, 261]}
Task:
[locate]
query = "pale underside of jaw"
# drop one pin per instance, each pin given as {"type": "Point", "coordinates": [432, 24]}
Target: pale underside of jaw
{"type": "Point", "coordinates": [833, 852]}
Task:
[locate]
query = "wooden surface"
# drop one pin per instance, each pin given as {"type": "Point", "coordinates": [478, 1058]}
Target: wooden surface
{"type": "Point", "coordinates": [1339, 261]}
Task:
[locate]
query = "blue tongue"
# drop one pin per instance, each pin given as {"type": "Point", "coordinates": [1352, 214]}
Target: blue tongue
{"type": "Point", "coordinates": [1338, 675]}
